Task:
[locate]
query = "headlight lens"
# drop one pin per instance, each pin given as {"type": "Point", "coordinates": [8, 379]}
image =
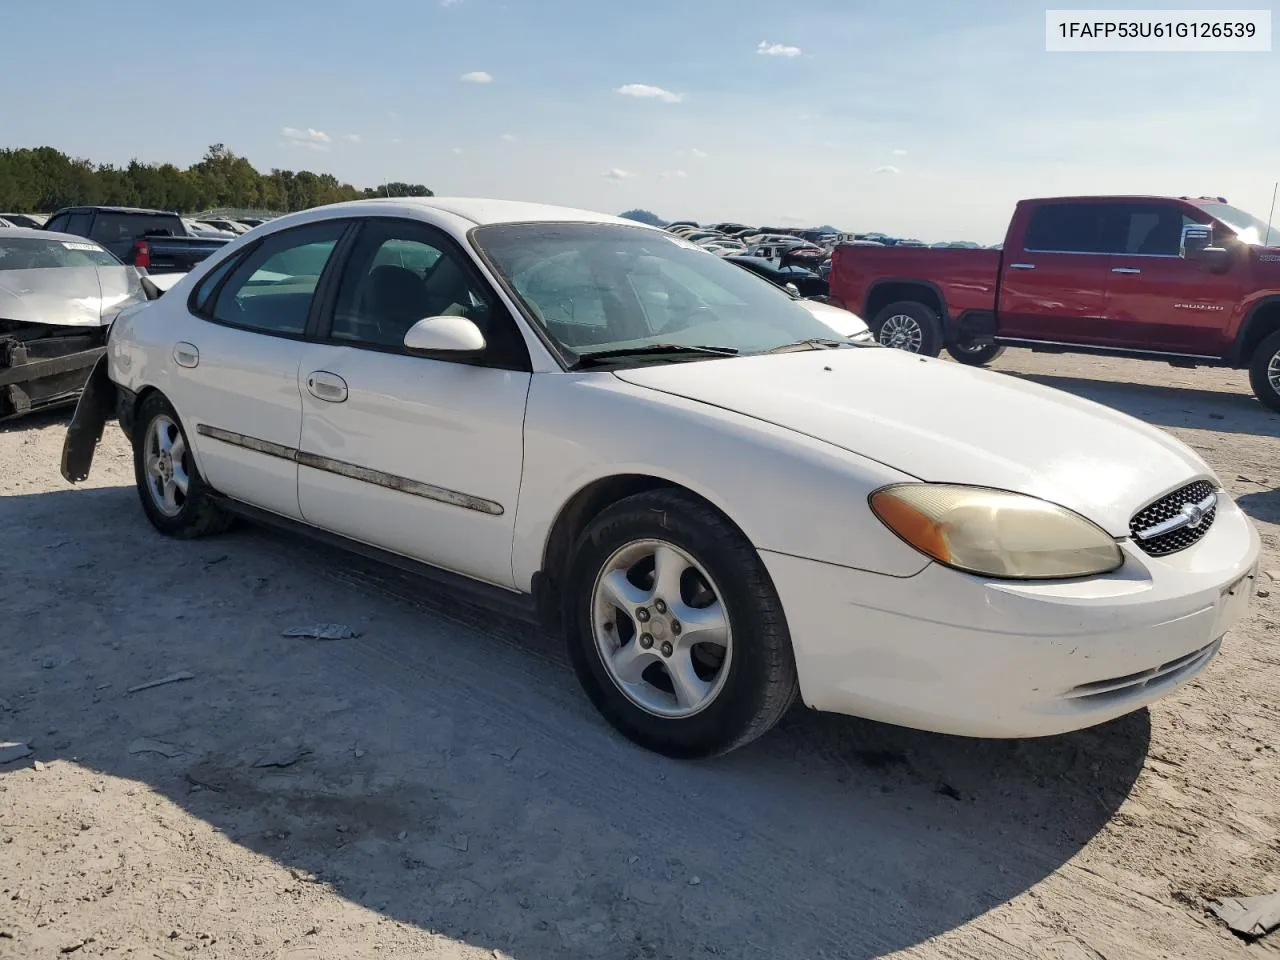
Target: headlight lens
{"type": "Point", "coordinates": [996, 533]}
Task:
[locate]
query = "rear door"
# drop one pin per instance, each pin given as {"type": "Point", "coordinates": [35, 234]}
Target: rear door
{"type": "Point", "coordinates": [1159, 300]}
{"type": "Point", "coordinates": [234, 364]}
{"type": "Point", "coordinates": [1053, 288]}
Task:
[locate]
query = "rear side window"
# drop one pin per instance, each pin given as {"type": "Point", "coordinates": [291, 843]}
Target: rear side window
{"type": "Point", "coordinates": [57, 224]}
{"type": "Point", "coordinates": [271, 289]}
{"type": "Point", "coordinates": [126, 227]}
{"type": "Point", "coordinates": [1066, 228]}
{"type": "Point", "coordinates": [37, 253]}
{"type": "Point", "coordinates": [205, 289]}
{"type": "Point", "coordinates": [78, 223]}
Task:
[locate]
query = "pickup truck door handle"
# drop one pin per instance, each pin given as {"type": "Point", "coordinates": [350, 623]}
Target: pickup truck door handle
{"type": "Point", "coordinates": [327, 386]}
{"type": "Point", "coordinates": [185, 354]}
{"type": "Point", "coordinates": [1125, 270]}
{"type": "Point", "coordinates": [1022, 266]}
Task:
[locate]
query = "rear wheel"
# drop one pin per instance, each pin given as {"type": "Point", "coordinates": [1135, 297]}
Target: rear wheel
{"type": "Point", "coordinates": [910, 326]}
{"type": "Point", "coordinates": [174, 496]}
{"type": "Point", "coordinates": [975, 355]}
{"type": "Point", "coordinates": [675, 630]}
{"type": "Point", "coordinates": [1264, 371]}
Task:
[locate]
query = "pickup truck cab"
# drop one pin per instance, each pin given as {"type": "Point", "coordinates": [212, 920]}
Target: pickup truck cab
{"type": "Point", "coordinates": [150, 240]}
{"type": "Point", "coordinates": [1191, 282]}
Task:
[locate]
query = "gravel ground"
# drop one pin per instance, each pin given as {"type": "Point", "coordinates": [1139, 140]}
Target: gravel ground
{"type": "Point", "coordinates": [438, 787]}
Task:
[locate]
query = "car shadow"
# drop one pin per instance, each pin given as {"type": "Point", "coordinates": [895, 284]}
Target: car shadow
{"type": "Point", "coordinates": [38, 419]}
{"type": "Point", "coordinates": [1166, 406]}
{"type": "Point", "coordinates": [443, 769]}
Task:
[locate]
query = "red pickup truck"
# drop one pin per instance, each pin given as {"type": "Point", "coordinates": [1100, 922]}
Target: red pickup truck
{"type": "Point", "coordinates": [1191, 282]}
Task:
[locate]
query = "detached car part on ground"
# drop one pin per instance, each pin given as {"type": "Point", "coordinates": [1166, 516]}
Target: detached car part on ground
{"type": "Point", "coordinates": [58, 295]}
{"type": "Point", "coordinates": [721, 502]}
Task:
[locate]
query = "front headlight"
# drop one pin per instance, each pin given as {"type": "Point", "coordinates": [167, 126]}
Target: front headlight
{"type": "Point", "coordinates": [995, 533]}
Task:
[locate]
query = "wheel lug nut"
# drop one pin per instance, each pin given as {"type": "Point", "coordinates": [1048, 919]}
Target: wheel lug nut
{"type": "Point", "coordinates": [675, 627]}
{"type": "Point", "coordinates": [660, 606]}
{"type": "Point", "coordinates": [667, 648]}
{"type": "Point", "coordinates": [642, 615]}
{"type": "Point", "coordinates": [646, 641]}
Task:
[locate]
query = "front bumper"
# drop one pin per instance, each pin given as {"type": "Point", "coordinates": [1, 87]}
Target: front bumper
{"type": "Point", "coordinates": [953, 653]}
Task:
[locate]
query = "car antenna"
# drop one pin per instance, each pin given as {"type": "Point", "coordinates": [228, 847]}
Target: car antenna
{"type": "Point", "coordinates": [1271, 216]}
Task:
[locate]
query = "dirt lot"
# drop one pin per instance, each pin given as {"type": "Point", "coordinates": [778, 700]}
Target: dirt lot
{"type": "Point", "coordinates": [442, 789]}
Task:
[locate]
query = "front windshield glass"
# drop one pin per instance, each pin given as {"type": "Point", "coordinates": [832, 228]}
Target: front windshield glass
{"type": "Point", "coordinates": [600, 286]}
{"type": "Point", "coordinates": [37, 253]}
{"type": "Point", "coordinates": [1246, 226]}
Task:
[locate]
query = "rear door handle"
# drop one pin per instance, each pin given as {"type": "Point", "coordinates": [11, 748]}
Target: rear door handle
{"type": "Point", "coordinates": [327, 386]}
{"type": "Point", "coordinates": [1022, 266]}
{"type": "Point", "coordinates": [186, 354]}
{"type": "Point", "coordinates": [1125, 270]}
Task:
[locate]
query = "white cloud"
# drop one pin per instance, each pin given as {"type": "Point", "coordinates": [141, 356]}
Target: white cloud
{"type": "Point", "coordinates": [395, 140]}
{"type": "Point", "coordinates": [888, 168]}
{"type": "Point", "coordinates": [450, 3]}
{"type": "Point", "coordinates": [899, 152]}
{"type": "Point", "coordinates": [509, 137]}
{"type": "Point", "coordinates": [767, 49]}
{"type": "Point", "coordinates": [477, 76]}
{"type": "Point", "coordinates": [457, 150]}
{"type": "Point", "coordinates": [351, 137]}
{"type": "Point", "coordinates": [616, 174]}
{"type": "Point", "coordinates": [646, 92]}
{"type": "Point", "coordinates": [698, 154]}
{"type": "Point", "coordinates": [314, 139]}
{"type": "Point", "coordinates": [673, 175]}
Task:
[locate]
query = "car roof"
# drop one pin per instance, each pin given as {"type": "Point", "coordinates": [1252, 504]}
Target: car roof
{"type": "Point", "coordinates": [110, 209]}
{"type": "Point", "coordinates": [481, 211]}
{"type": "Point", "coordinates": [46, 235]}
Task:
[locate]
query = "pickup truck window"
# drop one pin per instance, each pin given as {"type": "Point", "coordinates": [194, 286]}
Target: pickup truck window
{"type": "Point", "coordinates": [111, 228]}
{"type": "Point", "coordinates": [1065, 228]}
{"type": "Point", "coordinates": [1134, 229]}
{"type": "Point", "coordinates": [78, 223]}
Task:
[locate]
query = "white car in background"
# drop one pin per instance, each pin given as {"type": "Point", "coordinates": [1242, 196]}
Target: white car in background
{"type": "Point", "coordinates": [719, 501]}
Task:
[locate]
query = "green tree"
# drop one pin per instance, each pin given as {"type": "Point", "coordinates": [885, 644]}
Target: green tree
{"type": "Point", "coordinates": [644, 216]}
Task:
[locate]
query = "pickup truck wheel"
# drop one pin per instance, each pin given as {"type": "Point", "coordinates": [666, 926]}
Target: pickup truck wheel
{"type": "Point", "coordinates": [174, 496]}
{"type": "Point", "coordinates": [910, 326]}
{"type": "Point", "coordinates": [674, 627]}
{"type": "Point", "coordinates": [975, 355]}
{"type": "Point", "coordinates": [1264, 371]}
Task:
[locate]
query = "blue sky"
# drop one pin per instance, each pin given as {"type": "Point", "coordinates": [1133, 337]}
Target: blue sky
{"type": "Point", "coordinates": [918, 117]}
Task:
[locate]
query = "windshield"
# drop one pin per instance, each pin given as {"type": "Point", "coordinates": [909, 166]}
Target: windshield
{"type": "Point", "coordinates": [600, 286]}
{"type": "Point", "coordinates": [1246, 226]}
{"type": "Point", "coordinates": [36, 253]}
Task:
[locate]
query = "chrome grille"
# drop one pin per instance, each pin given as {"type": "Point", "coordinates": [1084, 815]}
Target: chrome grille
{"type": "Point", "coordinates": [1176, 520]}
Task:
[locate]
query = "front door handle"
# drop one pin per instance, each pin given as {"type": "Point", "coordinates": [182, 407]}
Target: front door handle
{"type": "Point", "coordinates": [1022, 266]}
{"type": "Point", "coordinates": [327, 386]}
{"type": "Point", "coordinates": [186, 354]}
{"type": "Point", "coordinates": [1125, 270]}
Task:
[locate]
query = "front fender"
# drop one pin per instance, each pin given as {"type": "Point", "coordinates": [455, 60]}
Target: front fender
{"type": "Point", "coordinates": [787, 492]}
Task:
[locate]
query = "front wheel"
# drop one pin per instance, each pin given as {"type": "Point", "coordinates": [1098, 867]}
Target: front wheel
{"type": "Point", "coordinates": [975, 355]}
{"type": "Point", "coordinates": [1264, 371]}
{"type": "Point", "coordinates": [910, 326]}
{"type": "Point", "coordinates": [174, 496]}
{"type": "Point", "coordinates": [675, 630]}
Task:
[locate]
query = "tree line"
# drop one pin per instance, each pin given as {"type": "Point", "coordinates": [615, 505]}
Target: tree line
{"type": "Point", "coordinates": [44, 179]}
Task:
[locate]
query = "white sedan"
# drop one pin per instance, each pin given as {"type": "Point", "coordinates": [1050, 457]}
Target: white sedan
{"type": "Point", "coordinates": [720, 501]}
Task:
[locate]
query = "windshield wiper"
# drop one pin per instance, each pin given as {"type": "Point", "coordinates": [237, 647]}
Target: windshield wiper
{"type": "Point", "coordinates": [811, 343]}
{"type": "Point", "coordinates": [650, 350]}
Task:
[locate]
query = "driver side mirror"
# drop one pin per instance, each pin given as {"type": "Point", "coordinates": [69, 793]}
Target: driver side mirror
{"type": "Point", "coordinates": [1196, 240]}
{"type": "Point", "coordinates": [445, 336]}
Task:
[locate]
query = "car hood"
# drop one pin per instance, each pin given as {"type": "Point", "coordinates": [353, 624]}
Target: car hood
{"type": "Point", "coordinates": [943, 422]}
{"type": "Point", "coordinates": [843, 322]}
{"type": "Point", "coordinates": [67, 296]}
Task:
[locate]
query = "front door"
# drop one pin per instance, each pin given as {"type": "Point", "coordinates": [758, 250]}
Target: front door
{"type": "Point", "coordinates": [418, 456]}
{"type": "Point", "coordinates": [235, 365]}
{"type": "Point", "coordinates": [1159, 300]}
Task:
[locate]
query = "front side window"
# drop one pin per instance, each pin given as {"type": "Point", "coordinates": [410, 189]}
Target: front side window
{"type": "Point", "coordinates": [400, 273]}
{"type": "Point", "coordinates": [271, 289]}
{"type": "Point", "coordinates": [37, 253]}
{"type": "Point", "coordinates": [1144, 229]}
{"type": "Point", "coordinates": [595, 287]}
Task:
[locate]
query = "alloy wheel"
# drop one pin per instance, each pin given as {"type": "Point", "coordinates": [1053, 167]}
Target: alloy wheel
{"type": "Point", "coordinates": [661, 629]}
{"type": "Point", "coordinates": [165, 463]}
{"type": "Point", "coordinates": [901, 332]}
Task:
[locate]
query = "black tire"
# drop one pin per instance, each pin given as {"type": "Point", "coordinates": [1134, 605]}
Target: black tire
{"type": "Point", "coordinates": [760, 685]}
{"type": "Point", "coordinates": [197, 515]}
{"type": "Point", "coordinates": [924, 338]}
{"type": "Point", "coordinates": [975, 356]}
{"type": "Point", "coordinates": [1259, 371]}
